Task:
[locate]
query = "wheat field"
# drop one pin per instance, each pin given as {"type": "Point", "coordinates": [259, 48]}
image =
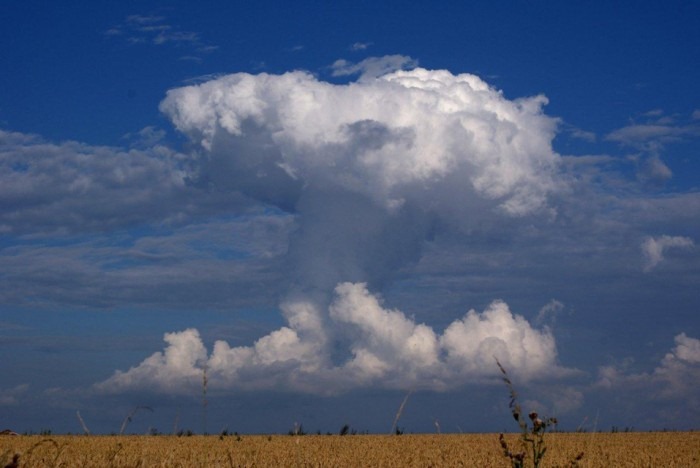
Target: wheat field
{"type": "Point", "coordinates": [653, 449]}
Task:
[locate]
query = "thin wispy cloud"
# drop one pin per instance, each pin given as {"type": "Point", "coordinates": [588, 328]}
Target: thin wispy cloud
{"type": "Point", "coordinates": [577, 133]}
{"type": "Point", "coordinates": [650, 138]}
{"type": "Point", "coordinates": [373, 67]}
{"type": "Point", "coordinates": [358, 46]}
{"type": "Point", "coordinates": [654, 248]}
{"type": "Point", "coordinates": [155, 30]}
{"type": "Point", "coordinates": [149, 136]}
{"type": "Point", "coordinates": [658, 129]}
{"type": "Point", "coordinates": [13, 396]}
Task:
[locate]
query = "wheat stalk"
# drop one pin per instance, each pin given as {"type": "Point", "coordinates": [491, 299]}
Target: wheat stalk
{"type": "Point", "coordinates": [82, 423]}
{"type": "Point", "coordinates": [130, 416]}
{"type": "Point", "coordinates": [399, 412]}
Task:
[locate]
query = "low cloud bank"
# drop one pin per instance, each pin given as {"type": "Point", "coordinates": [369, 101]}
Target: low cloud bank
{"type": "Point", "coordinates": [356, 343]}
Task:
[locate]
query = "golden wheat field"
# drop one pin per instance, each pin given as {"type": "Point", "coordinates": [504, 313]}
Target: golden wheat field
{"type": "Point", "coordinates": [667, 449]}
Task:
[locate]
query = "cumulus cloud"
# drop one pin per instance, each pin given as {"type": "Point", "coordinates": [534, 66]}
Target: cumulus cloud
{"type": "Point", "coordinates": [177, 369]}
{"type": "Point", "coordinates": [368, 169]}
{"type": "Point", "coordinates": [368, 166]}
{"type": "Point", "coordinates": [364, 169]}
{"type": "Point", "coordinates": [379, 347]}
{"type": "Point", "coordinates": [399, 133]}
{"type": "Point", "coordinates": [474, 340]}
{"type": "Point", "coordinates": [687, 349]}
{"type": "Point", "coordinates": [666, 395]}
{"type": "Point", "coordinates": [653, 248]}
{"type": "Point", "coordinates": [676, 377]}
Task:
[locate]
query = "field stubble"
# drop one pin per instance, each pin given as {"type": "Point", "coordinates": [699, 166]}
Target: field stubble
{"type": "Point", "coordinates": [654, 449]}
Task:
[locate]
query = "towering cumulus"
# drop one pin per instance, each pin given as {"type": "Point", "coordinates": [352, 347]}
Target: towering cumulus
{"type": "Point", "coordinates": [370, 170]}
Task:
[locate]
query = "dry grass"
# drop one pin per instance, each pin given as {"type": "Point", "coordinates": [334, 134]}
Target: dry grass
{"type": "Point", "coordinates": [667, 449]}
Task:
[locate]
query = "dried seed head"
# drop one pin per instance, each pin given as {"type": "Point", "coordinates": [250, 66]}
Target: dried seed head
{"type": "Point", "coordinates": [537, 424]}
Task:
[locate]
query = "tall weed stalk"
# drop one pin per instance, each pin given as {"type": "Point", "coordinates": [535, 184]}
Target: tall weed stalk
{"type": "Point", "coordinates": [532, 443]}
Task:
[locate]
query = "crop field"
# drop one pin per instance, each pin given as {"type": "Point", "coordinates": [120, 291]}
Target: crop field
{"type": "Point", "coordinates": [653, 449]}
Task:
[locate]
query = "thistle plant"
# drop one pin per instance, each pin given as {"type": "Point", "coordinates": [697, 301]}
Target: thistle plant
{"type": "Point", "coordinates": [532, 432]}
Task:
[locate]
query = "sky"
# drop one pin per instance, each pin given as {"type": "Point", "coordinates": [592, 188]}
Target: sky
{"type": "Point", "coordinates": [256, 216]}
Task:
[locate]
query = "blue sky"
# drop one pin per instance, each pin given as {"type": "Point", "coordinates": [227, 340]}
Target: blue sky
{"type": "Point", "coordinates": [332, 205]}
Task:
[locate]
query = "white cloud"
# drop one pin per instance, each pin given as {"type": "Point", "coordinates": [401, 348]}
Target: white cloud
{"type": "Point", "coordinates": [360, 46]}
{"type": "Point", "coordinates": [654, 113]}
{"type": "Point", "coordinates": [385, 341]}
{"type": "Point", "coordinates": [635, 134]}
{"type": "Point", "coordinates": [583, 135]}
{"type": "Point", "coordinates": [655, 170]}
{"type": "Point", "coordinates": [373, 67]}
{"type": "Point", "coordinates": [549, 312]}
{"type": "Point", "coordinates": [474, 341]}
{"type": "Point", "coordinates": [384, 137]}
{"type": "Point", "coordinates": [659, 132]}
{"type": "Point", "coordinates": [152, 29]}
{"type": "Point", "coordinates": [12, 396]}
{"type": "Point", "coordinates": [146, 137]}
{"type": "Point", "coordinates": [178, 369]}
{"type": "Point", "coordinates": [366, 167]}
{"type": "Point", "coordinates": [384, 349]}
{"type": "Point", "coordinates": [190, 58]}
{"type": "Point", "coordinates": [677, 377]}
{"type": "Point", "coordinates": [653, 248]}
{"type": "Point", "coordinates": [687, 349]}
{"type": "Point", "coordinates": [144, 19]}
